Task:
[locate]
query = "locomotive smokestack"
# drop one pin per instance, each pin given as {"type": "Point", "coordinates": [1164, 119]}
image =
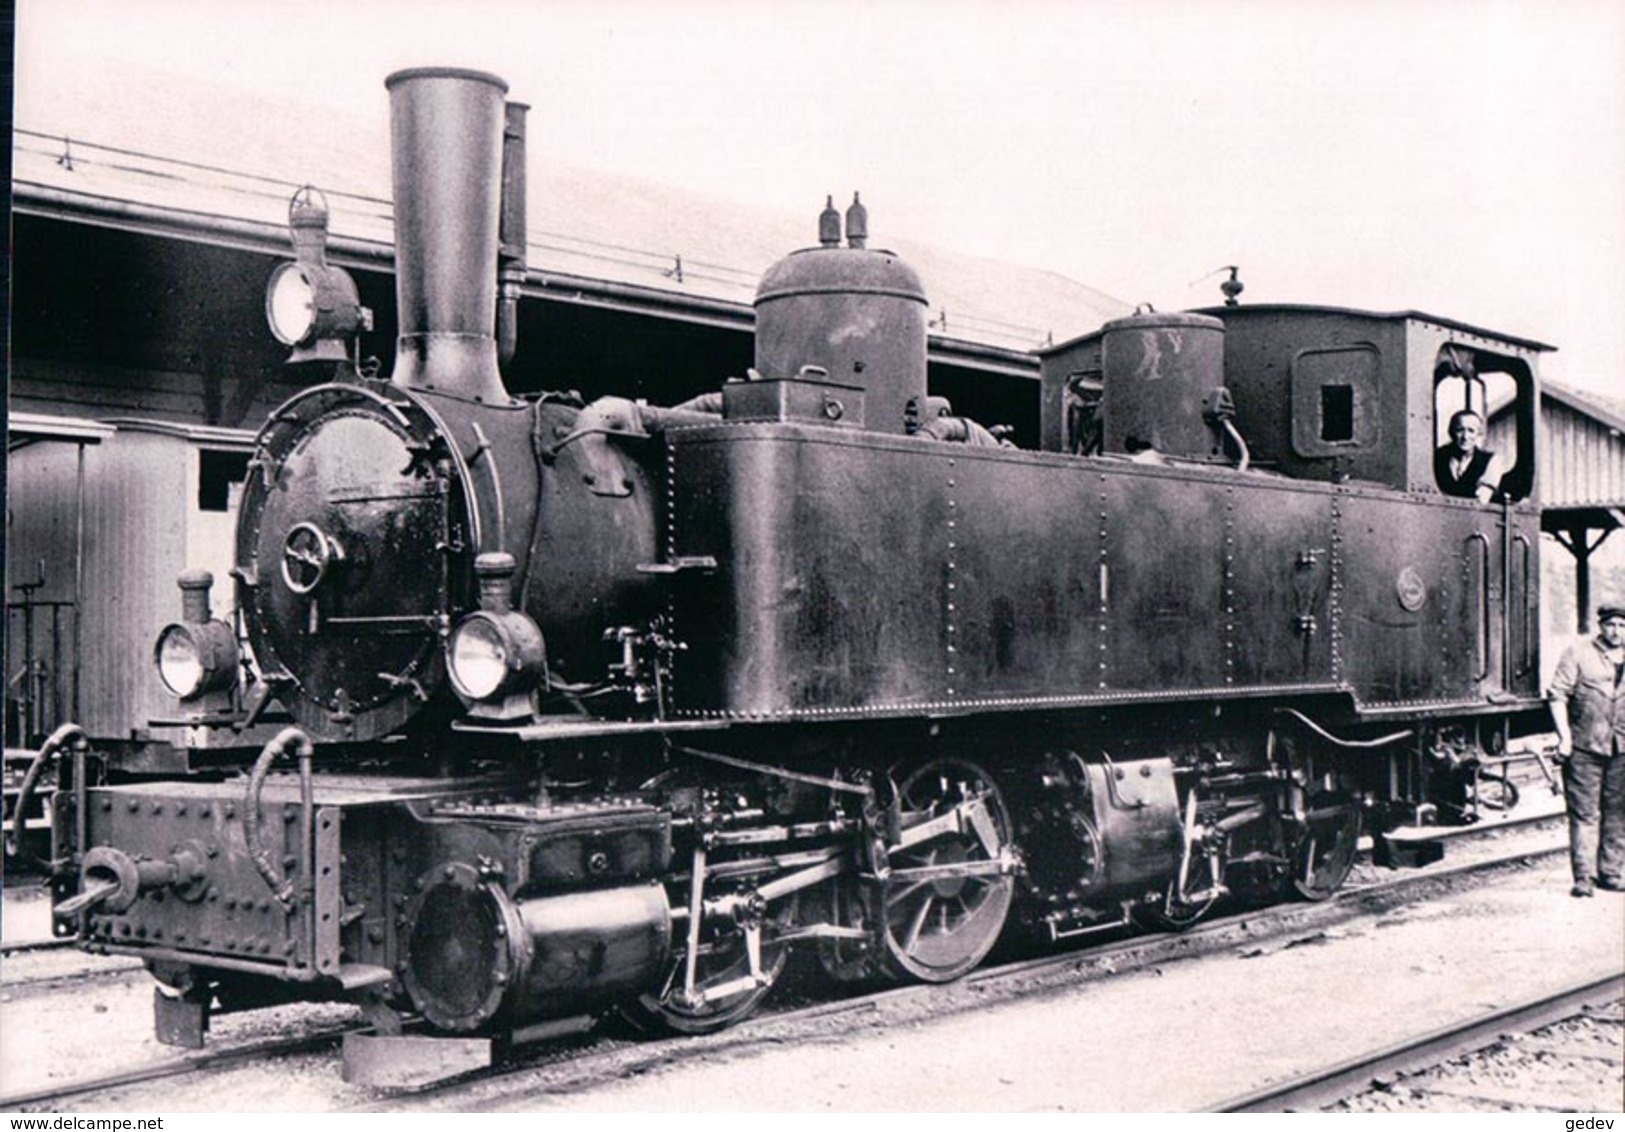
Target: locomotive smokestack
{"type": "Point", "coordinates": [446, 130]}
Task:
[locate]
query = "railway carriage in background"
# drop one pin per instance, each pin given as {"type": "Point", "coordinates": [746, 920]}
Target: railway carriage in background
{"type": "Point", "coordinates": [593, 706]}
{"type": "Point", "coordinates": [91, 503]}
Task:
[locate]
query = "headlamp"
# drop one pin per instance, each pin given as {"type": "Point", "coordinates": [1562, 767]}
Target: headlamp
{"type": "Point", "coordinates": [310, 304]}
{"type": "Point", "coordinates": [197, 655]}
{"type": "Point", "coordinates": [495, 656]}
{"type": "Point", "coordinates": [290, 304]}
{"type": "Point", "coordinates": [479, 655]}
{"type": "Point", "coordinates": [180, 661]}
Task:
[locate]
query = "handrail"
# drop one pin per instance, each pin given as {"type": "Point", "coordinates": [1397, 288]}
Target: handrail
{"type": "Point", "coordinates": [1481, 611]}
{"type": "Point", "coordinates": [47, 752]}
{"type": "Point", "coordinates": [1526, 653]}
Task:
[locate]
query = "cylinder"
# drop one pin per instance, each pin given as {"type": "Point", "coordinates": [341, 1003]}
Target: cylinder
{"type": "Point", "coordinates": [1157, 370]}
{"type": "Point", "coordinates": [477, 956]}
{"type": "Point", "coordinates": [1136, 811]}
{"type": "Point", "coordinates": [446, 133]}
{"type": "Point", "coordinates": [859, 315]}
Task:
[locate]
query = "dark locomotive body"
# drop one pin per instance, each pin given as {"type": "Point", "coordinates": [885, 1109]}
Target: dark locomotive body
{"type": "Point", "coordinates": [614, 705]}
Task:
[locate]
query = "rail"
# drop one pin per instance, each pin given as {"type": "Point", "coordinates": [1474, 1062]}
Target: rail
{"type": "Point", "coordinates": [175, 1067]}
{"type": "Point", "coordinates": [1321, 1087]}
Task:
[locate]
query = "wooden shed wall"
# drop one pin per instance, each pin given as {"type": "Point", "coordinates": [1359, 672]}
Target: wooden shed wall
{"type": "Point", "coordinates": [1582, 458]}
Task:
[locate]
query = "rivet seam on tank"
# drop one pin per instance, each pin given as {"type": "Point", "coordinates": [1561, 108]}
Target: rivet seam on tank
{"type": "Point", "coordinates": [671, 556]}
{"type": "Point", "coordinates": [1103, 621]}
{"type": "Point", "coordinates": [1334, 568]}
{"type": "Point", "coordinates": [950, 617]}
{"type": "Point", "coordinates": [996, 702]}
{"type": "Point", "coordinates": [1229, 588]}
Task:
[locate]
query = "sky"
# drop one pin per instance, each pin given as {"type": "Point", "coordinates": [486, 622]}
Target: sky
{"type": "Point", "coordinates": [1462, 157]}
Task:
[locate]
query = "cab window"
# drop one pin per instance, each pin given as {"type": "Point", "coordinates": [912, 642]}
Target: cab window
{"type": "Point", "coordinates": [1483, 425]}
{"type": "Point", "coordinates": [1334, 401]}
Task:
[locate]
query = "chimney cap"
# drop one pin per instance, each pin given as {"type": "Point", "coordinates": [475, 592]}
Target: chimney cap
{"type": "Point", "coordinates": [411, 73]}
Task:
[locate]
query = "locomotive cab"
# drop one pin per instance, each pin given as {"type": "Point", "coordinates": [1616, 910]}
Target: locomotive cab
{"type": "Point", "coordinates": [1314, 393]}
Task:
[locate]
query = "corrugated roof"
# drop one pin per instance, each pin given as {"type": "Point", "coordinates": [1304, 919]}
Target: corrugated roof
{"type": "Point", "coordinates": [1608, 412]}
{"type": "Point", "coordinates": [107, 134]}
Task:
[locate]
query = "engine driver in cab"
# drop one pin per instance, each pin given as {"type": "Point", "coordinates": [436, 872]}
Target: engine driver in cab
{"type": "Point", "coordinates": [1463, 467]}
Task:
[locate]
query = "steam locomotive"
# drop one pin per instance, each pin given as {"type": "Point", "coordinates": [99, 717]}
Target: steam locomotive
{"type": "Point", "coordinates": [577, 707]}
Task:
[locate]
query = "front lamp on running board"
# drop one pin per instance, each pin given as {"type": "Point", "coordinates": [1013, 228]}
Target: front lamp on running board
{"type": "Point", "coordinates": [197, 655]}
{"type": "Point", "coordinates": [495, 656]}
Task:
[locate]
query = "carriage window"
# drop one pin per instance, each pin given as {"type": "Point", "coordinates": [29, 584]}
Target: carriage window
{"type": "Point", "coordinates": [220, 478]}
{"type": "Point", "coordinates": [1482, 425]}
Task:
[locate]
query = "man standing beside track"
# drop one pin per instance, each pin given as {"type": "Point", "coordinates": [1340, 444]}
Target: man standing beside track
{"type": "Point", "coordinates": [1588, 710]}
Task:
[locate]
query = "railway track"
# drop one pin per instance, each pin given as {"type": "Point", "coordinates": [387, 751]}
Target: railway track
{"type": "Point", "coordinates": [52, 1096]}
{"type": "Point", "coordinates": [580, 1063]}
{"type": "Point", "coordinates": [1433, 1065]}
{"type": "Point", "coordinates": [35, 946]}
{"type": "Point", "coordinates": [30, 966]}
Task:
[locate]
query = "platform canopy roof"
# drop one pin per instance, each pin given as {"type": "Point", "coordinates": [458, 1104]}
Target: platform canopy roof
{"type": "Point", "coordinates": [1582, 458]}
{"type": "Point", "coordinates": [132, 146]}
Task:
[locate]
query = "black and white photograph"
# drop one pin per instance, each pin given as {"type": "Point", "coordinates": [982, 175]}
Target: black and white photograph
{"type": "Point", "coordinates": [822, 557]}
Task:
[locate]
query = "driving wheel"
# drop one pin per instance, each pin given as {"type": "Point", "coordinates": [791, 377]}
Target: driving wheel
{"type": "Point", "coordinates": [1326, 846]}
{"type": "Point", "coordinates": [843, 904]}
{"type": "Point", "coordinates": [1172, 913]}
{"type": "Point", "coordinates": [724, 993]}
{"type": "Point", "coordinates": [950, 884]}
